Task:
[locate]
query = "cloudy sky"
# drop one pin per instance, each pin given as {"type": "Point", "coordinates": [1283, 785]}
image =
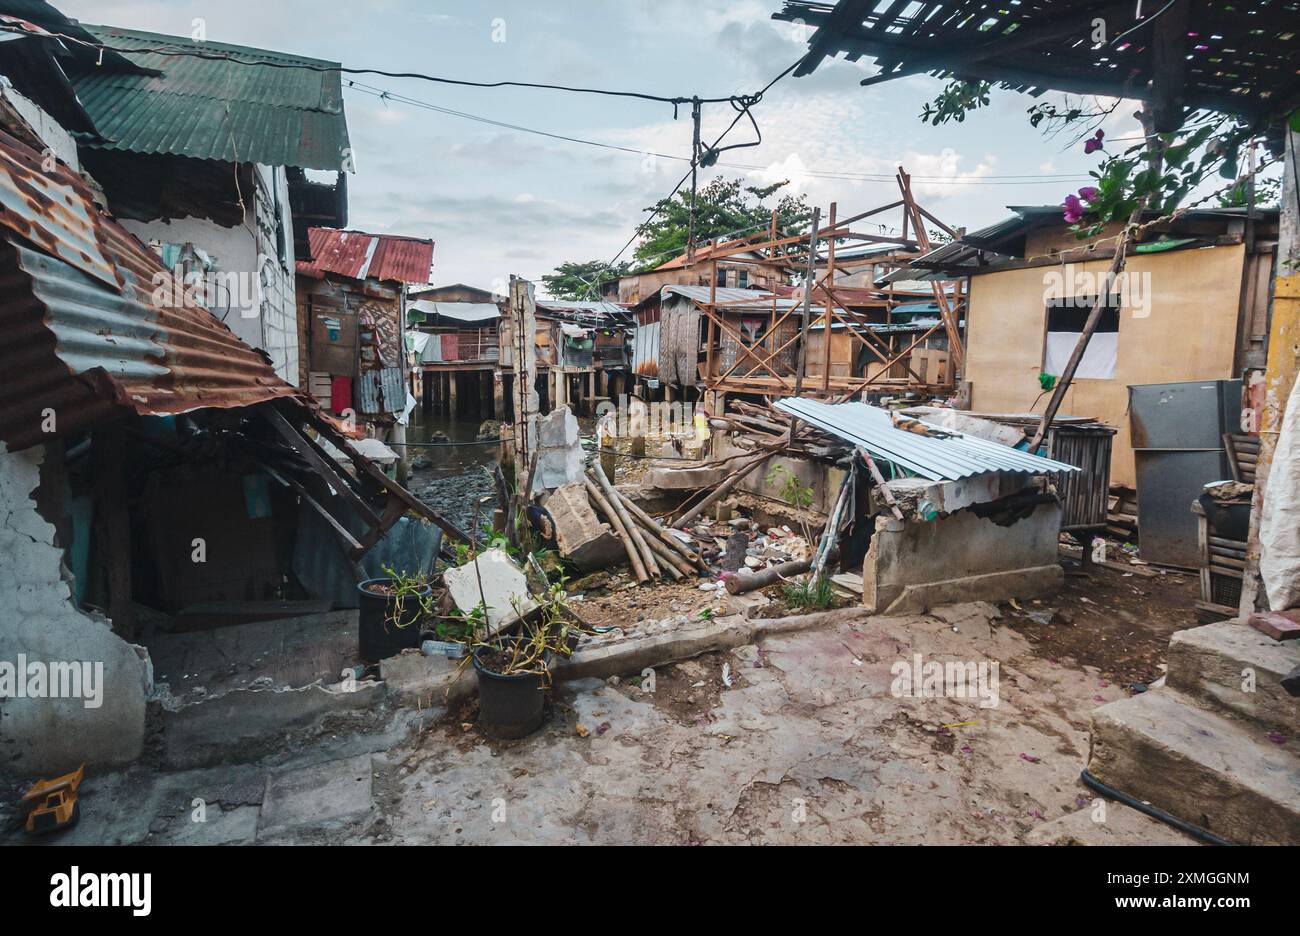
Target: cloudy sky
{"type": "Point", "coordinates": [499, 201]}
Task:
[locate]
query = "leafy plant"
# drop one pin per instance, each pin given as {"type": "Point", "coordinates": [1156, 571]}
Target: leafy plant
{"type": "Point", "coordinates": [810, 594]}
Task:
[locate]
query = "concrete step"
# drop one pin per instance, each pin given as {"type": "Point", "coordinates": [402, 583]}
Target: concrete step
{"type": "Point", "coordinates": [1206, 768]}
{"type": "Point", "coordinates": [1233, 667]}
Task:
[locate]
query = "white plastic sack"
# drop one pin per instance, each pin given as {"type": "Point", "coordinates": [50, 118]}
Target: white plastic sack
{"type": "Point", "coordinates": [1279, 526]}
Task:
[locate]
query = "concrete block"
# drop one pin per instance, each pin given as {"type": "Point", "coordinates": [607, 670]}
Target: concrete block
{"type": "Point", "coordinates": [504, 587]}
{"type": "Point", "coordinates": [1201, 767]}
{"type": "Point", "coordinates": [686, 477]}
{"type": "Point", "coordinates": [916, 565]}
{"type": "Point", "coordinates": [560, 458]}
{"type": "Point", "coordinates": [583, 539]}
{"type": "Point", "coordinates": [1236, 668]}
{"type": "Point", "coordinates": [748, 605]}
{"type": "Point", "coordinates": [317, 798]}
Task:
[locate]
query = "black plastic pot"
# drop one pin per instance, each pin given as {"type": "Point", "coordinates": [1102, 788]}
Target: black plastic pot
{"type": "Point", "coordinates": [387, 625]}
{"type": "Point", "coordinates": [509, 706]}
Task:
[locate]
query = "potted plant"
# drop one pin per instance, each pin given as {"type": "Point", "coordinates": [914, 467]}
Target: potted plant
{"type": "Point", "coordinates": [514, 669]}
{"type": "Point", "coordinates": [392, 610]}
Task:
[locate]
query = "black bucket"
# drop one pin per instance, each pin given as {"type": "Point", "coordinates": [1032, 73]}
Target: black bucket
{"type": "Point", "coordinates": [509, 706]}
{"type": "Point", "coordinates": [379, 637]}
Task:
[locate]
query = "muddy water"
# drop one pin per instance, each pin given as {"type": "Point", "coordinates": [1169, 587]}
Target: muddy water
{"type": "Point", "coordinates": [458, 474]}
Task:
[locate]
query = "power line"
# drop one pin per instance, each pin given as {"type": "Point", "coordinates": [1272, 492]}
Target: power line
{"type": "Point", "coordinates": [846, 175]}
{"type": "Point", "coordinates": [170, 49]}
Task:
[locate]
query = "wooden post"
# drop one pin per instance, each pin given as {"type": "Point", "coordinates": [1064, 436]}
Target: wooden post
{"type": "Point", "coordinates": [807, 310]}
{"type": "Point", "coordinates": [522, 319]}
{"type": "Point", "coordinates": [830, 281]}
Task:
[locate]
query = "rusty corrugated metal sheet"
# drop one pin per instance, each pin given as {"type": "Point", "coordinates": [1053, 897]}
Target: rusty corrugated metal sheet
{"type": "Point", "coordinates": [358, 255]}
{"type": "Point", "coordinates": [88, 326]}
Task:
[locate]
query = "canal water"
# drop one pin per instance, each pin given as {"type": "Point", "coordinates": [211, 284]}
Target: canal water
{"type": "Point", "coordinates": [458, 470]}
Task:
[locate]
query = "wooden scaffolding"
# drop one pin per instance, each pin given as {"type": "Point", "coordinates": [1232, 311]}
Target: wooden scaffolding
{"type": "Point", "coordinates": [776, 364]}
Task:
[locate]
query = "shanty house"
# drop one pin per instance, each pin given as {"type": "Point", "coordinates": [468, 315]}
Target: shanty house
{"type": "Point", "coordinates": [202, 156]}
{"type": "Point", "coordinates": [351, 319]}
{"type": "Point", "coordinates": [1191, 305]}
{"type": "Point", "coordinates": [744, 270]}
{"type": "Point", "coordinates": [456, 350]}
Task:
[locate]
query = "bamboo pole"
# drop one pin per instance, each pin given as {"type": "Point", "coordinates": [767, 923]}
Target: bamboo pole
{"type": "Point", "coordinates": [611, 495]}
{"type": "Point", "coordinates": [673, 564]}
{"type": "Point", "coordinates": [723, 489]}
{"type": "Point", "coordinates": [657, 530]}
{"type": "Point", "coordinates": [603, 506]}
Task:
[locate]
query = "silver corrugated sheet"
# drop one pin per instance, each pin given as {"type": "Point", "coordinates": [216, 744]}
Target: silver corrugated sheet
{"type": "Point", "coordinates": [381, 391]}
{"type": "Point", "coordinates": [939, 459]}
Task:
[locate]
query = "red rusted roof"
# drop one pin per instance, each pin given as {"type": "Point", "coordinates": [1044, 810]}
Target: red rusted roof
{"type": "Point", "coordinates": [90, 328]}
{"type": "Point", "coordinates": [358, 255]}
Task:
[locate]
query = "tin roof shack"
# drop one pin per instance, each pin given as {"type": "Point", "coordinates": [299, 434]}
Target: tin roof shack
{"type": "Point", "coordinates": [938, 516]}
{"type": "Point", "coordinates": [155, 476]}
{"type": "Point", "coordinates": [583, 346]}
{"type": "Point", "coordinates": [1192, 305]}
{"type": "Point", "coordinates": [455, 341]}
{"type": "Point", "coordinates": [352, 298]}
{"type": "Point", "coordinates": [743, 270]}
{"type": "Point", "coordinates": [200, 157]}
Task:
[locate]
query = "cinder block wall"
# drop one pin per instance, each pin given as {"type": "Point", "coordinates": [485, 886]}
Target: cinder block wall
{"type": "Point", "coordinates": [914, 565]}
{"type": "Point", "coordinates": [38, 620]}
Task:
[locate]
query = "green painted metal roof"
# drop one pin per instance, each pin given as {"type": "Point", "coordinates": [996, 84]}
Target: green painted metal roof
{"type": "Point", "coordinates": [216, 108]}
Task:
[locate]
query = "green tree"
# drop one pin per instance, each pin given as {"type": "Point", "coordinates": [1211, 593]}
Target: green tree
{"type": "Point", "coordinates": [724, 207]}
{"type": "Point", "coordinates": [581, 279]}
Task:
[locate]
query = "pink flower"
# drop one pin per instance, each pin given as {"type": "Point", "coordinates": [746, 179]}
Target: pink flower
{"type": "Point", "coordinates": [1088, 193]}
{"type": "Point", "coordinates": [1094, 144]}
{"type": "Point", "coordinates": [1073, 209]}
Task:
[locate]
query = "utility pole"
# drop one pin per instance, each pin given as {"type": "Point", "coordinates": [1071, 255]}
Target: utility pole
{"type": "Point", "coordinates": [695, 163]}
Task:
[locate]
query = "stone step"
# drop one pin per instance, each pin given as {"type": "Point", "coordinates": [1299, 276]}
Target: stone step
{"type": "Point", "coordinates": [1216, 772]}
{"type": "Point", "coordinates": [1211, 662]}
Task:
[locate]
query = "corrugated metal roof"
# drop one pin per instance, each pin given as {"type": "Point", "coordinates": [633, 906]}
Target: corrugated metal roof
{"type": "Point", "coordinates": [939, 459]}
{"type": "Point", "coordinates": [215, 108]}
{"type": "Point", "coordinates": [742, 299]}
{"type": "Point", "coordinates": [358, 255]}
{"type": "Point", "coordinates": [88, 325]}
{"type": "Point", "coordinates": [459, 311]}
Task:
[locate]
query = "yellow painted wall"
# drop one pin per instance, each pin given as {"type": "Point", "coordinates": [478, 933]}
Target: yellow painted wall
{"type": "Point", "coordinates": [1189, 335]}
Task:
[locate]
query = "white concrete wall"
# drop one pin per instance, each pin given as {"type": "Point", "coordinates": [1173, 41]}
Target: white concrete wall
{"type": "Point", "coordinates": [38, 619]}
{"type": "Point", "coordinates": [251, 249]}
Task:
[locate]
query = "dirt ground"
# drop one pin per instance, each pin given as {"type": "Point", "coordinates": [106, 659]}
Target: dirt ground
{"type": "Point", "coordinates": [803, 738]}
{"type": "Point", "coordinates": [1120, 624]}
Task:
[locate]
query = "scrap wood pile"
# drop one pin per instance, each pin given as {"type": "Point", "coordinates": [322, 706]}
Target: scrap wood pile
{"type": "Point", "coordinates": [652, 550]}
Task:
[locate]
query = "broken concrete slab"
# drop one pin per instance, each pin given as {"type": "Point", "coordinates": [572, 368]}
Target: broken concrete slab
{"type": "Point", "coordinates": [289, 652]}
{"type": "Point", "coordinates": [1236, 668]}
{"type": "Point", "coordinates": [244, 724]}
{"type": "Point", "coordinates": [494, 580]}
{"type": "Point", "coordinates": [560, 457]}
{"type": "Point", "coordinates": [581, 536]}
{"type": "Point", "coordinates": [1201, 767]}
{"type": "Point", "coordinates": [685, 477]}
{"type": "Point", "coordinates": [316, 799]}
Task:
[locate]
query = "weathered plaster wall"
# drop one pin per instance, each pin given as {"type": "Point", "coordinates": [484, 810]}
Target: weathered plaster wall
{"type": "Point", "coordinates": [1190, 334]}
{"type": "Point", "coordinates": [38, 619]}
{"type": "Point", "coordinates": [253, 248]}
{"type": "Point", "coordinates": [916, 565]}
